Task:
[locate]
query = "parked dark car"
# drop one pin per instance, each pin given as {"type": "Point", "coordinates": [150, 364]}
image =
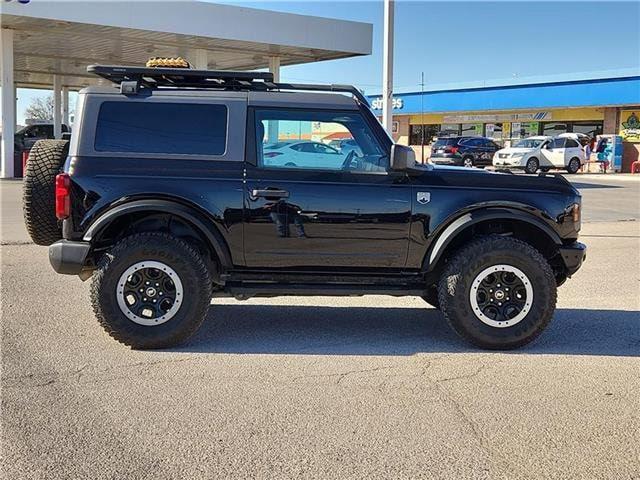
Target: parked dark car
{"type": "Point", "coordinates": [464, 151]}
{"type": "Point", "coordinates": [26, 137]}
{"type": "Point", "coordinates": [166, 198]}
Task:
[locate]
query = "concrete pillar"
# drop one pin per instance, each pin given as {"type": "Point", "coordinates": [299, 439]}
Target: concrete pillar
{"type": "Point", "coordinates": [201, 60]}
{"type": "Point", "coordinates": [65, 106]}
{"type": "Point", "coordinates": [387, 68]}
{"type": "Point", "coordinates": [7, 102]}
{"type": "Point", "coordinates": [274, 67]}
{"type": "Point", "coordinates": [273, 130]}
{"type": "Point", "coordinates": [610, 124]}
{"type": "Point", "coordinates": [57, 107]}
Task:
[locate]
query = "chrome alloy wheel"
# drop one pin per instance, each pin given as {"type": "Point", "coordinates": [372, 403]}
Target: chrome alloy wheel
{"type": "Point", "coordinates": [149, 293]}
{"type": "Point", "coordinates": [501, 296]}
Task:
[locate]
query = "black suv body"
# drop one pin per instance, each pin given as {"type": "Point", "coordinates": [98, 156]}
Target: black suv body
{"type": "Point", "coordinates": [464, 151]}
{"type": "Point", "coordinates": [168, 198]}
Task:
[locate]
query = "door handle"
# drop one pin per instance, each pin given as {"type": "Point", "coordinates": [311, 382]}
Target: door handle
{"type": "Point", "coordinates": [268, 193]}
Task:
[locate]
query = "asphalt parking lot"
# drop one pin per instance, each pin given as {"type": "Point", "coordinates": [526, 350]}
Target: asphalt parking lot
{"type": "Point", "coordinates": [371, 387]}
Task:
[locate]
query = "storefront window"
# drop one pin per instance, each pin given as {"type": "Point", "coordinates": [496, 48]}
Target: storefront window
{"type": "Point", "coordinates": [493, 130]}
{"type": "Point", "coordinates": [415, 134]}
{"type": "Point", "coordinates": [449, 129]}
{"type": "Point", "coordinates": [593, 129]}
{"type": "Point", "coordinates": [524, 129]}
{"type": "Point", "coordinates": [553, 128]}
{"type": "Point", "coordinates": [472, 129]}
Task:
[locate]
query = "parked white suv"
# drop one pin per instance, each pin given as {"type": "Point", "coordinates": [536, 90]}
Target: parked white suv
{"type": "Point", "coordinates": [542, 153]}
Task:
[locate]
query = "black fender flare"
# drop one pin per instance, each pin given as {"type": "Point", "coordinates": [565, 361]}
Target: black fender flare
{"type": "Point", "coordinates": [467, 219]}
{"type": "Point", "coordinates": [206, 226]}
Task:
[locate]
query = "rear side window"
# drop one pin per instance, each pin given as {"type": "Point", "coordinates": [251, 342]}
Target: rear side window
{"type": "Point", "coordinates": [441, 142]}
{"type": "Point", "coordinates": [170, 128]}
{"type": "Point", "coordinates": [571, 143]}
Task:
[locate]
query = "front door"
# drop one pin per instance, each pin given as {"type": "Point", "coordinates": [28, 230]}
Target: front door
{"type": "Point", "coordinates": [324, 208]}
{"type": "Point", "coordinates": [555, 152]}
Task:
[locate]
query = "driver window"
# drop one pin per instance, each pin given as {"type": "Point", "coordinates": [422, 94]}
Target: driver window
{"type": "Point", "coordinates": [333, 141]}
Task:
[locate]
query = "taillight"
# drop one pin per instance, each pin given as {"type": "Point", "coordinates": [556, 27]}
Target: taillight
{"type": "Point", "coordinates": [271, 154]}
{"type": "Point", "coordinates": [63, 193]}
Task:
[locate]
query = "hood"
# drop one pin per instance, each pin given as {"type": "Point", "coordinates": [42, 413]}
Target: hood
{"type": "Point", "coordinates": [480, 178]}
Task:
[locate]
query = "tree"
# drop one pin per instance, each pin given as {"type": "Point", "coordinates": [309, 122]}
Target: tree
{"type": "Point", "coordinates": [40, 108]}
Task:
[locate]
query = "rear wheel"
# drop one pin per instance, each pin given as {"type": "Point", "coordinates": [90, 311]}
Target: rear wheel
{"type": "Point", "coordinates": [151, 290]}
{"type": "Point", "coordinates": [573, 166]}
{"type": "Point", "coordinates": [467, 162]}
{"type": "Point", "coordinates": [498, 293]}
{"type": "Point", "coordinates": [46, 160]}
{"type": "Point", "coordinates": [532, 165]}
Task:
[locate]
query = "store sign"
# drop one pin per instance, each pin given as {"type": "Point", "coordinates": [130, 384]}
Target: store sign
{"type": "Point", "coordinates": [396, 103]}
{"type": "Point", "coordinates": [498, 117]}
{"type": "Point", "coordinates": [630, 125]}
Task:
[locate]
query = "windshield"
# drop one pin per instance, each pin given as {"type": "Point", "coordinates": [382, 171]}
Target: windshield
{"type": "Point", "coordinates": [529, 143]}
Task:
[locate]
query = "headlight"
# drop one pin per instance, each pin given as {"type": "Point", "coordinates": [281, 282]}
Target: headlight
{"type": "Point", "coordinates": [517, 155]}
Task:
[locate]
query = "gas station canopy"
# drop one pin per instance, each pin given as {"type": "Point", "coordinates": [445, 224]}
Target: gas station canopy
{"type": "Point", "coordinates": [64, 37]}
{"type": "Point", "coordinates": [49, 44]}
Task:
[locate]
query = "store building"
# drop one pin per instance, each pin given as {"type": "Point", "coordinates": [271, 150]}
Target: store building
{"type": "Point", "coordinates": [511, 112]}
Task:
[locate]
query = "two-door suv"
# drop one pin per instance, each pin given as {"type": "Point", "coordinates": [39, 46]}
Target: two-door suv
{"type": "Point", "coordinates": [170, 193]}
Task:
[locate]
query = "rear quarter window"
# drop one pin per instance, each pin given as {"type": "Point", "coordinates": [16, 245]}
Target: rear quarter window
{"type": "Point", "coordinates": [441, 142]}
{"type": "Point", "coordinates": [169, 128]}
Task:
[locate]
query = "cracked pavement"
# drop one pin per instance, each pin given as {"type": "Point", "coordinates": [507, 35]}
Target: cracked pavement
{"type": "Point", "coordinates": [372, 387]}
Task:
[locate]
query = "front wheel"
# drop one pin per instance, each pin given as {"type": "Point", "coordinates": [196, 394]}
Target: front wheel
{"type": "Point", "coordinates": [498, 293]}
{"type": "Point", "coordinates": [574, 166]}
{"type": "Point", "coordinates": [467, 162]}
{"type": "Point", "coordinates": [151, 290]}
{"type": "Point", "coordinates": [532, 165]}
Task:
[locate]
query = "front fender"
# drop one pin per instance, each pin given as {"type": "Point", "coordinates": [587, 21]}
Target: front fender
{"type": "Point", "coordinates": [445, 235]}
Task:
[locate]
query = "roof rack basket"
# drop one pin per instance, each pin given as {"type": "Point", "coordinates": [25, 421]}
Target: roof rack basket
{"type": "Point", "coordinates": [132, 79]}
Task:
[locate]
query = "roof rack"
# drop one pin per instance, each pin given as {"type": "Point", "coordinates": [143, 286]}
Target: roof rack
{"type": "Point", "coordinates": [132, 79]}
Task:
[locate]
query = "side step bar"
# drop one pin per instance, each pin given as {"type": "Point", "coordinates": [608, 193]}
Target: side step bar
{"type": "Point", "coordinates": [245, 290]}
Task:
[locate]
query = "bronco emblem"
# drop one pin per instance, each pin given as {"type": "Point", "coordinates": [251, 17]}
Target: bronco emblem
{"type": "Point", "coordinates": [424, 197]}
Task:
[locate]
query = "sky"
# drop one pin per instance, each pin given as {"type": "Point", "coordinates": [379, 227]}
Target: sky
{"type": "Point", "coordinates": [462, 43]}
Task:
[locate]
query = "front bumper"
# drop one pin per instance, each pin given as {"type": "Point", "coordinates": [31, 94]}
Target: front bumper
{"type": "Point", "coordinates": [69, 257]}
{"type": "Point", "coordinates": [573, 256]}
{"type": "Point", "coordinates": [507, 163]}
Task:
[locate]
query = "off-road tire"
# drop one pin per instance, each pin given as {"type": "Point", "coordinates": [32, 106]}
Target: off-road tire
{"type": "Point", "coordinates": [431, 297]}
{"type": "Point", "coordinates": [573, 166]}
{"type": "Point", "coordinates": [532, 165]}
{"type": "Point", "coordinates": [455, 286]}
{"type": "Point", "coordinates": [175, 253]}
{"type": "Point", "coordinates": [46, 160]}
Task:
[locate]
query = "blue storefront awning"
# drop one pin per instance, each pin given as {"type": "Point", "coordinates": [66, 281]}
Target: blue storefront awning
{"type": "Point", "coordinates": [570, 94]}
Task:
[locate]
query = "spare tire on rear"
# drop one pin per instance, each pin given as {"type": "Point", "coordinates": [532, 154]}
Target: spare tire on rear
{"type": "Point", "coordinates": [46, 160]}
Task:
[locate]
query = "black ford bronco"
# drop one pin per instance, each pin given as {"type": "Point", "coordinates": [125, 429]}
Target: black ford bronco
{"type": "Point", "coordinates": [180, 185]}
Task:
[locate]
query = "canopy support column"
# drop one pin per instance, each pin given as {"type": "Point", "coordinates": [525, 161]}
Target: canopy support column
{"type": "Point", "coordinates": [7, 103]}
{"type": "Point", "coordinates": [57, 107]}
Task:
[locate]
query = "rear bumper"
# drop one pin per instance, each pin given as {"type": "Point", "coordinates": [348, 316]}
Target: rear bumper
{"type": "Point", "coordinates": [69, 257]}
{"type": "Point", "coordinates": [573, 256]}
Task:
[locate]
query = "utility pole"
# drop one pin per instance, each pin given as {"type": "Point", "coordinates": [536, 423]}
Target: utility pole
{"type": "Point", "coordinates": [422, 117]}
{"type": "Point", "coordinates": [387, 68]}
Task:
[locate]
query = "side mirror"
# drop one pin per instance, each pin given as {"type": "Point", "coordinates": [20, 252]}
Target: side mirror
{"type": "Point", "coordinates": [402, 158]}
